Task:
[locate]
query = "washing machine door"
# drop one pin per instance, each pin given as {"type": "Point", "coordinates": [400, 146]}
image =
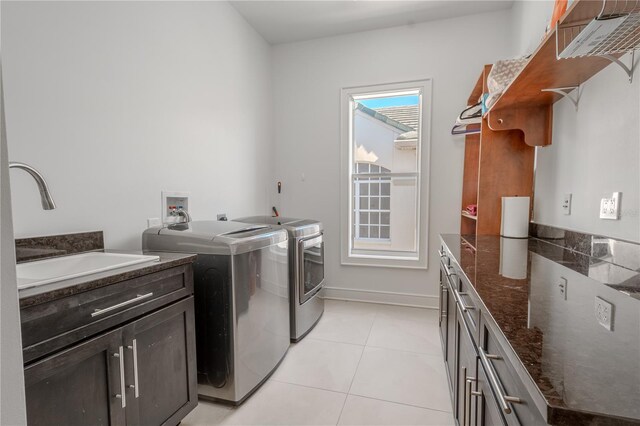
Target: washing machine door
{"type": "Point", "coordinates": [311, 259]}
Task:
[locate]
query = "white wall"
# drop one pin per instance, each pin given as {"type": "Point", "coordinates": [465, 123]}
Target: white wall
{"type": "Point", "coordinates": [308, 77]}
{"type": "Point", "coordinates": [595, 151]}
{"type": "Point", "coordinates": [12, 394]}
{"type": "Point", "coordinates": [116, 101]}
{"type": "Point", "coordinates": [529, 22]}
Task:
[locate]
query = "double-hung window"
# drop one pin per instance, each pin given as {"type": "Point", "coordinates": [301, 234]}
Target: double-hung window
{"type": "Point", "coordinates": [384, 203]}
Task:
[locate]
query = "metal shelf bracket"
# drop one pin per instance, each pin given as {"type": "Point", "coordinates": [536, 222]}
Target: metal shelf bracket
{"type": "Point", "coordinates": [566, 92]}
{"type": "Point", "coordinates": [622, 65]}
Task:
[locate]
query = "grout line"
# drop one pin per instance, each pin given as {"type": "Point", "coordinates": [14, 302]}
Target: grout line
{"type": "Point", "coordinates": [315, 339]}
{"type": "Point", "coordinates": [401, 403]}
{"type": "Point", "coordinates": [308, 387]}
{"type": "Point", "coordinates": [431, 355]}
{"type": "Point", "coordinates": [375, 315]}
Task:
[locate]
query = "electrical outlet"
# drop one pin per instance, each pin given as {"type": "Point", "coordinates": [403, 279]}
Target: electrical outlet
{"type": "Point", "coordinates": [610, 207]}
{"type": "Point", "coordinates": [604, 313]}
{"type": "Point", "coordinates": [566, 204]}
{"type": "Point", "coordinates": [562, 286]}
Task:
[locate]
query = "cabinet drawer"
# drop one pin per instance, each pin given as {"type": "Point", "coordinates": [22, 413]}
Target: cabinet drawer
{"type": "Point", "coordinates": [514, 401]}
{"type": "Point", "coordinates": [53, 325]}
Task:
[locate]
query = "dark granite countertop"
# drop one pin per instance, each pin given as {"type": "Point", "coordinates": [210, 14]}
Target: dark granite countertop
{"type": "Point", "coordinates": [585, 373]}
{"type": "Point", "coordinates": [48, 292]}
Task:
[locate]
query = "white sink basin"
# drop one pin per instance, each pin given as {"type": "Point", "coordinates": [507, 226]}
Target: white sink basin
{"type": "Point", "coordinates": [32, 274]}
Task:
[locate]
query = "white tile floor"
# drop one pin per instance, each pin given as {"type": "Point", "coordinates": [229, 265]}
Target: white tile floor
{"type": "Point", "coordinates": [363, 364]}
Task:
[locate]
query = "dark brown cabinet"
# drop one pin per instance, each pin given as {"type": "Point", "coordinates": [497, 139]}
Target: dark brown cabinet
{"type": "Point", "coordinates": [466, 374]}
{"type": "Point", "coordinates": [142, 371]}
{"type": "Point", "coordinates": [160, 366]}
{"type": "Point", "coordinates": [488, 412]}
{"type": "Point", "coordinates": [485, 388]}
{"type": "Point", "coordinates": [448, 322]}
{"type": "Point", "coordinates": [77, 386]}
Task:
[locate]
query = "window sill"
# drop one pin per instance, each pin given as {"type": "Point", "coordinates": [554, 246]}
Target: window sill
{"type": "Point", "coordinates": [407, 262]}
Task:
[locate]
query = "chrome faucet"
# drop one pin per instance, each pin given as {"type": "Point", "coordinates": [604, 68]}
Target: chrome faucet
{"type": "Point", "coordinates": [45, 196]}
{"type": "Point", "coordinates": [182, 212]}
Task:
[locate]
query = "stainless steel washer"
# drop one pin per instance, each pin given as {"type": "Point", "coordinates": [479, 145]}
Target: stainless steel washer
{"type": "Point", "coordinates": [306, 270]}
{"type": "Point", "coordinates": [241, 296]}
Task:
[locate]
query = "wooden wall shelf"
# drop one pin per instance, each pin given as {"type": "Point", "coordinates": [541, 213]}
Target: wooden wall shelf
{"type": "Point", "coordinates": [469, 216]}
{"type": "Point", "coordinates": [498, 162]}
{"type": "Point", "coordinates": [523, 105]}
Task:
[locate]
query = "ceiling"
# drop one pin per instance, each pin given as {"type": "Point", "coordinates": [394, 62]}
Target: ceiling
{"type": "Point", "coordinates": [289, 21]}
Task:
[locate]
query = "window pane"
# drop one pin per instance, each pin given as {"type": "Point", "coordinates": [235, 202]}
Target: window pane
{"type": "Point", "coordinates": [385, 203]}
{"type": "Point", "coordinates": [375, 203]}
{"type": "Point", "coordinates": [384, 232]}
{"type": "Point", "coordinates": [364, 203]}
{"type": "Point", "coordinates": [397, 212]}
{"type": "Point", "coordinates": [385, 140]}
{"type": "Point", "coordinates": [384, 219]}
{"type": "Point", "coordinates": [364, 218]}
{"type": "Point", "coordinates": [386, 136]}
{"type": "Point", "coordinates": [374, 232]}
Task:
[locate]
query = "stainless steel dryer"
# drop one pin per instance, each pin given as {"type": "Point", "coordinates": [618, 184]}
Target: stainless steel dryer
{"type": "Point", "coordinates": [306, 270]}
{"type": "Point", "coordinates": [241, 301]}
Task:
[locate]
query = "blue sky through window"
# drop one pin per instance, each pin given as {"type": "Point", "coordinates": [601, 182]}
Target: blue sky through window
{"type": "Point", "coordinates": [390, 101]}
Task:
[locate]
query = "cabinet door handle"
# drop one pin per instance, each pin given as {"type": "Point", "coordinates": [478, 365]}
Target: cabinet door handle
{"type": "Point", "coordinates": [136, 383]}
{"type": "Point", "coordinates": [463, 305]}
{"type": "Point", "coordinates": [449, 273]}
{"type": "Point", "coordinates": [103, 311]}
{"type": "Point", "coordinates": [442, 253]}
{"type": "Point", "coordinates": [122, 396]}
{"type": "Point", "coordinates": [470, 382]}
{"type": "Point", "coordinates": [504, 400]}
{"type": "Point", "coordinates": [467, 399]}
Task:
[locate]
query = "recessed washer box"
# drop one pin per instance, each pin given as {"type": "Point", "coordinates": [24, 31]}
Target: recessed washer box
{"type": "Point", "coordinates": [172, 200]}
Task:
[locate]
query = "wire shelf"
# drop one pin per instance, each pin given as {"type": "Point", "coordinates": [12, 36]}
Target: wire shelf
{"type": "Point", "coordinates": [615, 31]}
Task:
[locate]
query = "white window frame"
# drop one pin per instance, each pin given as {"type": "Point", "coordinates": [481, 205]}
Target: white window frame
{"type": "Point", "coordinates": [409, 260]}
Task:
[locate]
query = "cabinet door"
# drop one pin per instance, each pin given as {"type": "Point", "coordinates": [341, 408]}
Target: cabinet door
{"type": "Point", "coordinates": [78, 386]}
{"type": "Point", "coordinates": [161, 366]}
{"type": "Point", "coordinates": [451, 338]}
{"type": "Point", "coordinates": [443, 301]}
{"type": "Point", "coordinates": [488, 412]}
{"type": "Point", "coordinates": [466, 374]}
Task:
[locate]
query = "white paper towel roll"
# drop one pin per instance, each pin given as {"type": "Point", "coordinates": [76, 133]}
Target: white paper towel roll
{"type": "Point", "coordinates": [513, 258]}
{"type": "Point", "coordinates": [515, 217]}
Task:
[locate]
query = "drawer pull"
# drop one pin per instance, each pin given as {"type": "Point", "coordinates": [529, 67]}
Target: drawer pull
{"type": "Point", "coordinates": [505, 401]}
{"type": "Point", "coordinates": [103, 311]}
{"type": "Point", "coordinates": [122, 395]}
{"type": "Point", "coordinates": [449, 273]}
{"type": "Point", "coordinates": [442, 253]}
{"type": "Point", "coordinates": [463, 305]}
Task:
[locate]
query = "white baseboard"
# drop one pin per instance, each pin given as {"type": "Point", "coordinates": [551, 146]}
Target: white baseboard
{"type": "Point", "coordinates": [384, 297]}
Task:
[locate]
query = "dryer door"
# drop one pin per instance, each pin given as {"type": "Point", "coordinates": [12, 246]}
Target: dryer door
{"type": "Point", "coordinates": [311, 266]}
